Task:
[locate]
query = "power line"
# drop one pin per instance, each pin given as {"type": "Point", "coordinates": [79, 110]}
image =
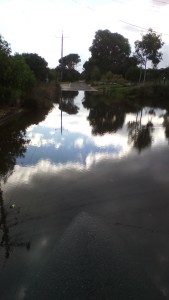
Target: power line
{"type": "Point", "coordinates": [164, 2]}
{"type": "Point", "coordinates": [133, 25]}
{"type": "Point", "coordinates": [80, 3]}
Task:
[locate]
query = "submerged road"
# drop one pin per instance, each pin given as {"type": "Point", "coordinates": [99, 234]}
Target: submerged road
{"type": "Point", "coordinates": [77, 86]}
{"type": "Point", "coordinates": [84, 217]}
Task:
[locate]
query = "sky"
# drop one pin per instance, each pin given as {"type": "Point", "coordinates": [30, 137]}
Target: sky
{"type": "Point", "coordinates": [36, 26]}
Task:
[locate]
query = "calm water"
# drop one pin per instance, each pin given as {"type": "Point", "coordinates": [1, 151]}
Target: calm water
{"type": "Point", "coordinates": [85, 202]}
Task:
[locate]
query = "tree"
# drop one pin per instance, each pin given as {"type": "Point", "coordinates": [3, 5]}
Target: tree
{"type": "Point", "coordinates": [109, 51]}
{"type": "Point", "coordinates": [23, 78]}
{"type": "Point", "coordinates": [95, 73]}
{"type": "Point", "coordinates": [132, 74]}
{"type": "Point", "coordinates": [16, 78]}
{"type": "Point", "coordinates": [70, 61]}
{"type": "Point", "coordinates": [37, 64]}
{"type": "Point", "coordinates": [4, 46]}
{"type": "Point", "coordinates": [148, 50]}
{"type": "Point", "coordinates": [5, 67]}
{"type": "Point", "coordinates": [88, 68]}
{"type": "Point", "coordinates": [67, 74]}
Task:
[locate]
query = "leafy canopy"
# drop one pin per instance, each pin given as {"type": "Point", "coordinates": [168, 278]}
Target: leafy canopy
{"type": "Point", "coordinates": [148, 48]}
{"type": "Point", "coordinates": [109, 51]}
{"type": "Point", "coordinates": [37, 64]}
{"type": "Point", "coordinates": [70, 61]}
{"type": "Point", "coordinates": [4, 46]}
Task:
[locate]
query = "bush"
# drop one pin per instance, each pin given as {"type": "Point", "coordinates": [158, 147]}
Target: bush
{"type": "Point", "coordinates": [42, 96]}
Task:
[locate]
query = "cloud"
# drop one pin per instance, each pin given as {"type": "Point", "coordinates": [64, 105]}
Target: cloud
{"type": "Point", "coordinates": [160, 2]}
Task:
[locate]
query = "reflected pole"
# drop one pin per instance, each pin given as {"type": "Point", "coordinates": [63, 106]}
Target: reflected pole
{"type": "Point", "coordinates": [61, 74]}
{"type": "Point", "coordinates": [61, 112]}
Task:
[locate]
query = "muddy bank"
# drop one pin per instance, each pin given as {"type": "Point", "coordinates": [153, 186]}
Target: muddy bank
{"type": "Point", "coordinates": [8, 113]}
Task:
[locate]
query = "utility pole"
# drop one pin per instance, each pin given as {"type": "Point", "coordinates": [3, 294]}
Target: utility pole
{"type": "Point", "coordinates": [62, 38]}
{"type": "Point", "coordinates": [61, 76]}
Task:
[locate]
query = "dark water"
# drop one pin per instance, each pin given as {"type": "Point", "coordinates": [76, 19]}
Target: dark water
{"type": "Point", "coordinates": [85, 202]}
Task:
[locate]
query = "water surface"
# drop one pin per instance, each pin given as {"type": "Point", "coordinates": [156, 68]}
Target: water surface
{"type": "Point", "coordinates": [84, 202]}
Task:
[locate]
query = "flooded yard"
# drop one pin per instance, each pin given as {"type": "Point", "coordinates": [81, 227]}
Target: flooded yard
{"type": "Point", "coordinates": [85, 202]}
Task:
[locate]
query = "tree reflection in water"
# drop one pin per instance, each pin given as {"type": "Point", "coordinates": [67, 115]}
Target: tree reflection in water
{"type": "Point", "coordinates": [166, 125]}
{"type": "Point", "coordinates": [67, 102]}
{"type": "Point", "coordinates": [13, 144]}
{"type": "Point", "coordinates": [108, 117]}
{"type": "Point", "coordinates": [104, 117]}
{"type": "Point", "coordinates": [140, 135]}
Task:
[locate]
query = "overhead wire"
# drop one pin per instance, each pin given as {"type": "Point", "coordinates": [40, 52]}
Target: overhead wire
{"type": "Point", "coordinates": [164, 2]}
{"type": "Point", "coordinates": [124, 2]}
{"type": "Point", "coordinates": [80, 3]}
{"type": "Point", "coordinates": [133, 25]}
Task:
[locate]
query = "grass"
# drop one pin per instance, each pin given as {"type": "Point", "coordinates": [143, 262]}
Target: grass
{"type": "Point", "coordinates": [148, 91]}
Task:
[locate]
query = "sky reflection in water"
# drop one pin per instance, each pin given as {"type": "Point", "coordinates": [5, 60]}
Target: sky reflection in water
{"type": "Point", "coordinates": [77, 144]}
{"type": "Point", "coordinates": [101, 184]}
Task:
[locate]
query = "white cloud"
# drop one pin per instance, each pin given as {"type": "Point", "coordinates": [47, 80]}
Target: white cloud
{"type": "Point", "coordinates": [79, 143]}
{"type": "Point", "coordinates": [34, 25]}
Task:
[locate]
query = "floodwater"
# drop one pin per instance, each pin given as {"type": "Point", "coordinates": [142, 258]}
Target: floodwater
{"type": "Point", "coordinates": [84, 202]}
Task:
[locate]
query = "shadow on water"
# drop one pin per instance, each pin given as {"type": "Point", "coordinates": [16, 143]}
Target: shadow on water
{"type": "Point", "coordinates": [13, 144]}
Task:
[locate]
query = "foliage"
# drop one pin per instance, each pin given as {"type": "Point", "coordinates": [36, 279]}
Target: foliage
{"type": "Point", "coordinates": [52, 75]}
{"type": "Point", "coordinates": [88, 68]}
{"type": "Point", "coordinates": [133, 74]}
{"type": "Point", "coordinates": [165, 73]}
{"type": "Point", "coordinates": [148, 49]}
{"type": "Point", "coordinates": [42, 96]}
{"type": "Point", "coordinates": [109, 51]}
{"type": "Point", "coordinates": [67, 74]}
{"type": "Point", "coordinates": [109, 75]}
{"type": "Point", "coordinates": [95, 73]}
{"type": "Point", "coordinates": [37, 64]}
{"type": "Point", "coordinates": [70, 61]}
{"type": "Point", "coordinates": [4, 46]}
{"type": "Point", "coordinates": [16, 79]}
{"type": "Point", "coordinates": [149, 91]}
{"type": "Point", "coordinates": [23, 77]}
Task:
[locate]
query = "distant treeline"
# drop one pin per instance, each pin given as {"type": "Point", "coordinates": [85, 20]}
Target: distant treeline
{"type": "Point", "coordinates": [112, 60]}
{"type": "Point", "coordinates": [23, 79]}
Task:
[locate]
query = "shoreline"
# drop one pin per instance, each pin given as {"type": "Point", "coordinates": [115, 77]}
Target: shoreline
{"type": "Point", "coordinates": [8, 113]}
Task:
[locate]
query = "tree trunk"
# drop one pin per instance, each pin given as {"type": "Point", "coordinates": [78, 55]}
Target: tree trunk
{"type": "Point", "coordinates": [145, 71]}
{"type": "Point", "coordinates": [140, 75]}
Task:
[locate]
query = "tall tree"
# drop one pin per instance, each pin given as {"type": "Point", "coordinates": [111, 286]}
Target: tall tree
{"type": "Point", "coordinates": [37, 64]}
{"type": "Point", "coordinates": [148, 50]}
{"type": "Point", "coordinates": [5, 67]}
{"type": "Point", "coordinates": [109, 51]}
{"type": "Point", "coordinates": [70, 61]}
{"type": "Point", "coordinates": [4, 46]}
